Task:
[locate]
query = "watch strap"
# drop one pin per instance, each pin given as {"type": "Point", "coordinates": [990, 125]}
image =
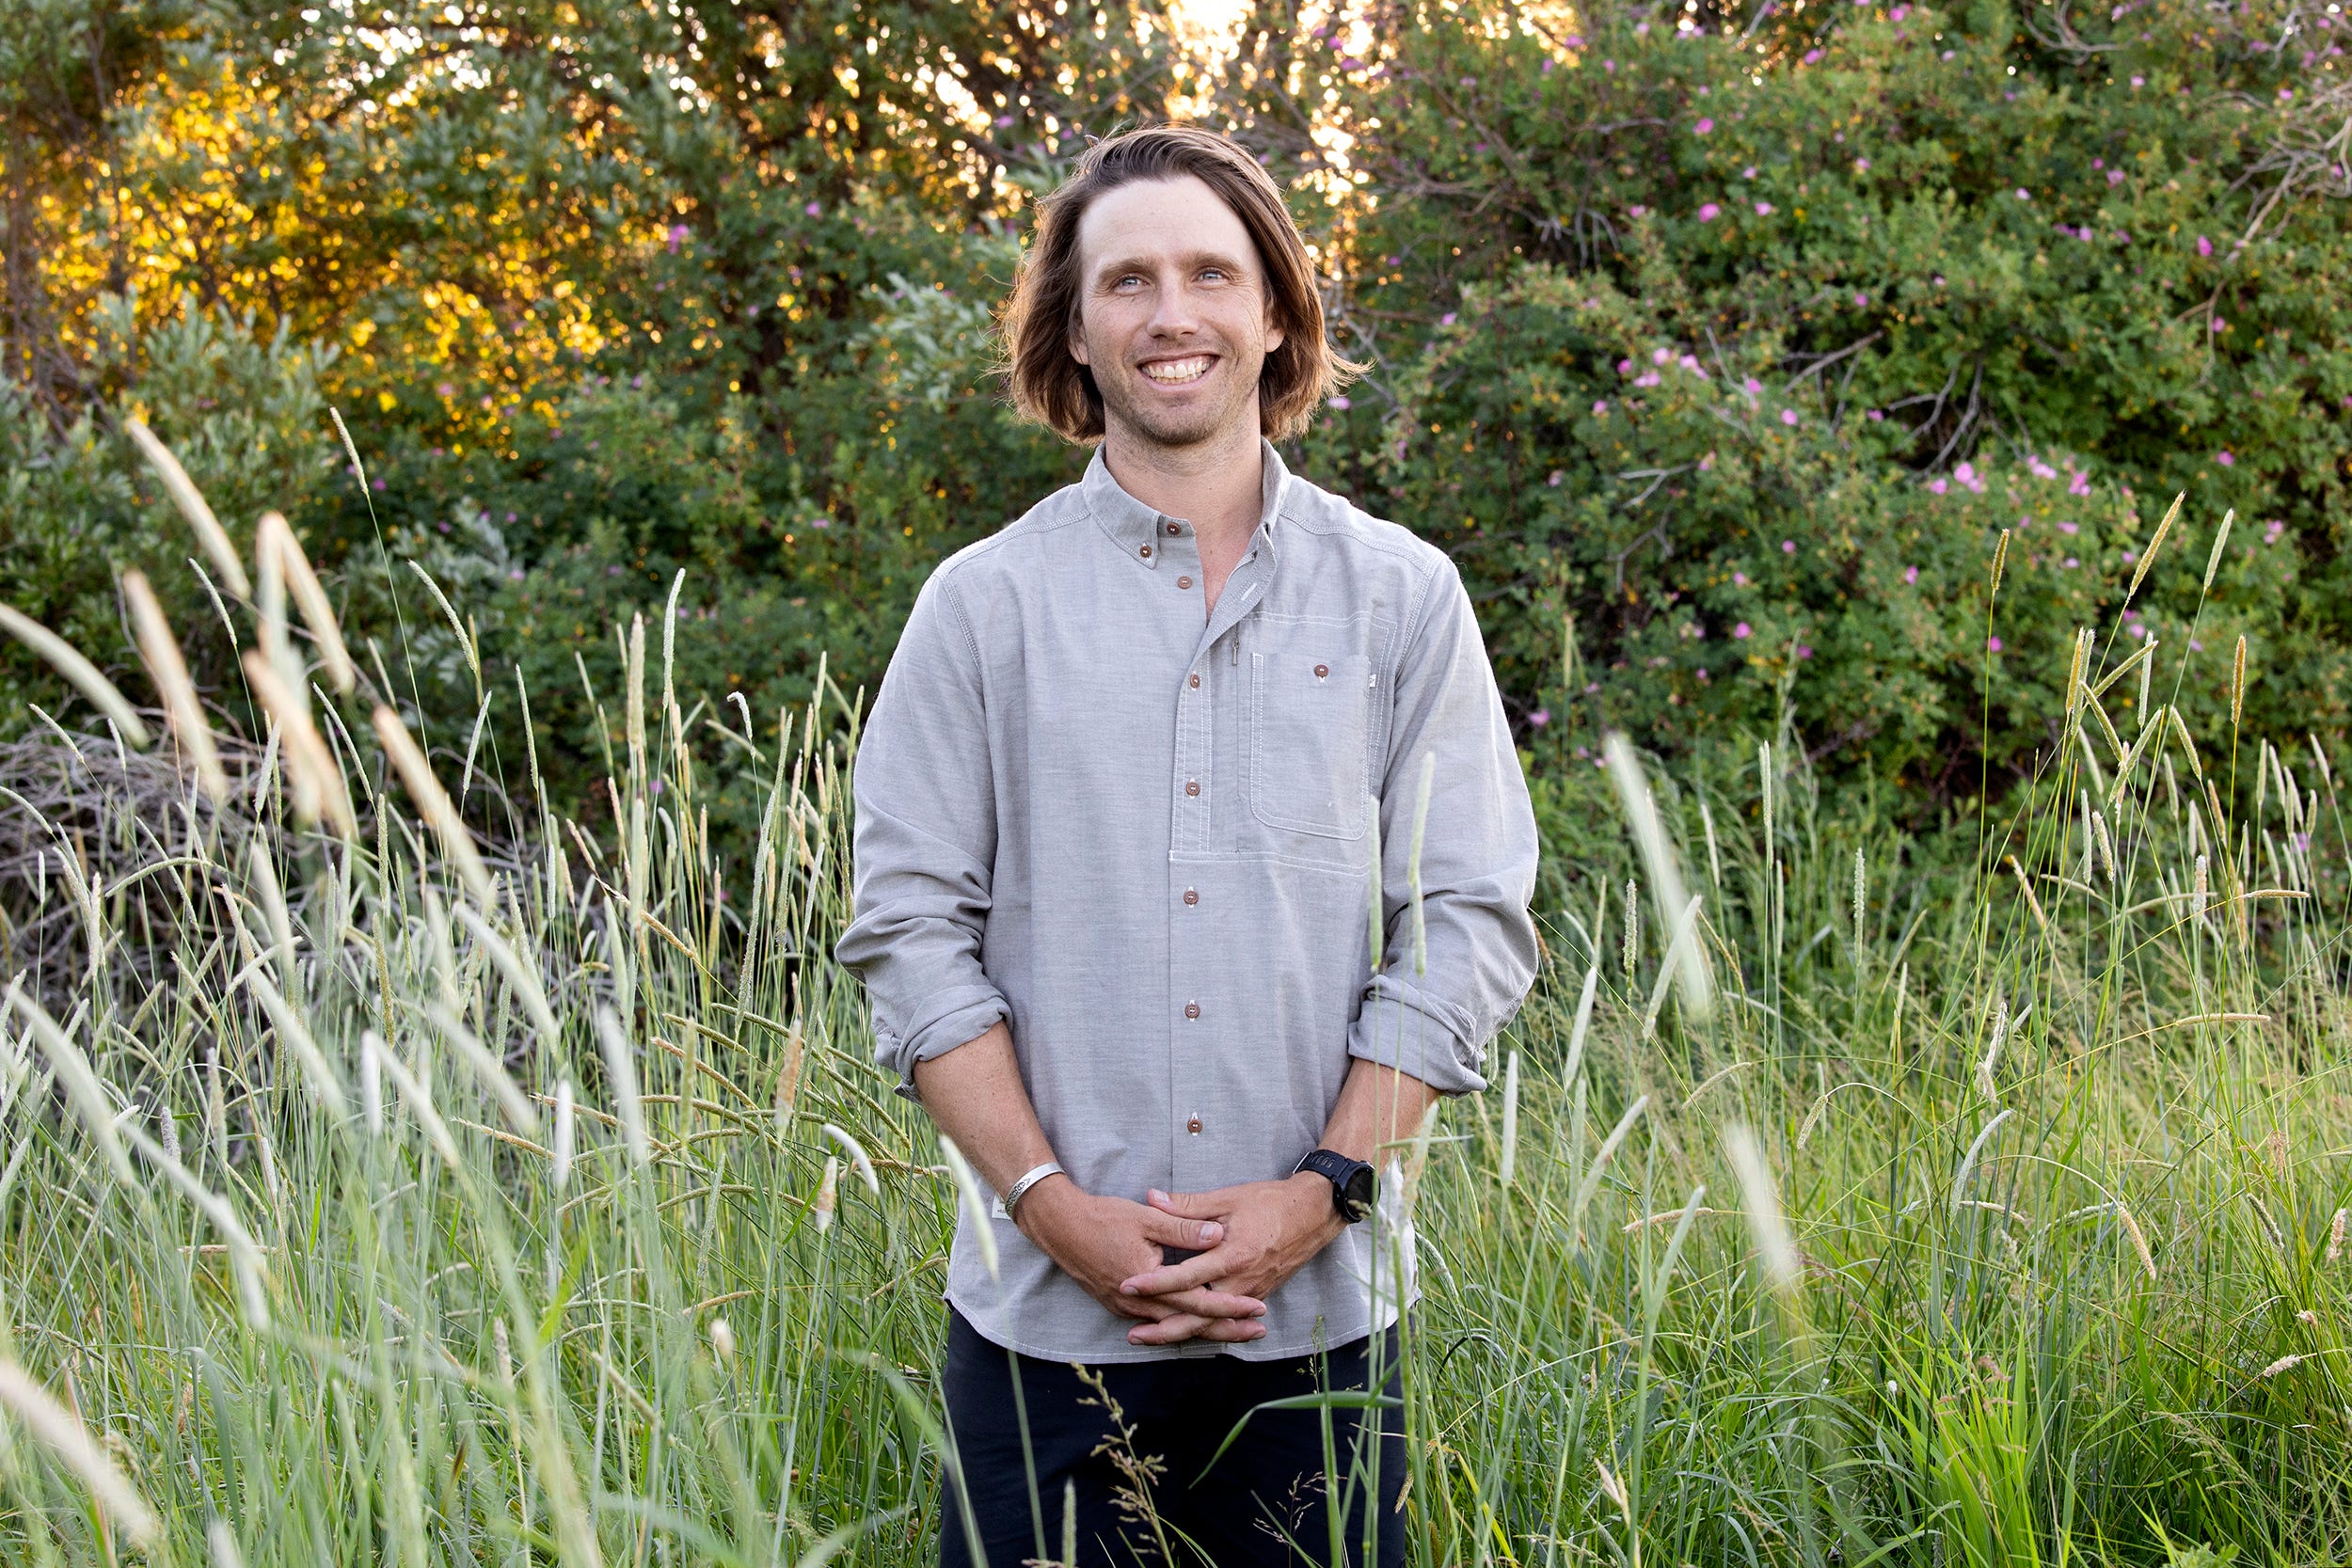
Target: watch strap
{"type": "Point", "coordinates": [1339, 1170]}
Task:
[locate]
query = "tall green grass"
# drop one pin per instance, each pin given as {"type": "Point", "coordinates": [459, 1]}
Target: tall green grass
{"type": "Point", "coordinates": [464, 1184]}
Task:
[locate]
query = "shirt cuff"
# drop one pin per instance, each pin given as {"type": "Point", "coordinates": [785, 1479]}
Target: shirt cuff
{"type": "Point", "coordinates": [968, 1015]}
{"type": "Point", "coordinates": [1401, 1033]}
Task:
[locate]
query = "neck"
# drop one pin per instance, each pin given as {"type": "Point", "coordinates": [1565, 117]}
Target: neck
{"type": "Point", "coordinates": [1216, 486]}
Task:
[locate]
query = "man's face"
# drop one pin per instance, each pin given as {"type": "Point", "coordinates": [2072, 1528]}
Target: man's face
{"type": "Point", "coordinates": [1171, 312]}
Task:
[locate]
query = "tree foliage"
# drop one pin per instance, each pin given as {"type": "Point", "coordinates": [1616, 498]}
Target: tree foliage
{"type": "Point", "coordinates": [1718, 345]}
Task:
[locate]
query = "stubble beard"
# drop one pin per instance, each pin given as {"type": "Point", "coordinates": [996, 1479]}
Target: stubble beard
{"type": "Point", "coordinates": [1183, 430]}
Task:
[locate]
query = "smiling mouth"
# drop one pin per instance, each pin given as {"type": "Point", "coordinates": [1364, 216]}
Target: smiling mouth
{"type": "Point", "coordinates": [1176, 372]}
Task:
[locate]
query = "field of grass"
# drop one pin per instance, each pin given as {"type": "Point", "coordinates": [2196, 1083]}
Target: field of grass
{"type": "Point", "coordinates": [368, 1193]}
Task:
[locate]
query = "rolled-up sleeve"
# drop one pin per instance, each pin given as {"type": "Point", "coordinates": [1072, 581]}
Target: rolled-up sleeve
{"type": "Point", "coordinates": [924, 843]}
{"type": "Point", "coordinates": [1433, 1020]}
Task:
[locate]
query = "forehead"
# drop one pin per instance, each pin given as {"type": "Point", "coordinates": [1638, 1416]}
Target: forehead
{"type": "Point", "coordinates": [1160, 219]}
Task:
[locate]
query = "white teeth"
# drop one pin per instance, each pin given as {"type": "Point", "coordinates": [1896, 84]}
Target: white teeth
{"type": "Point", "coordinates": [1171, 371]}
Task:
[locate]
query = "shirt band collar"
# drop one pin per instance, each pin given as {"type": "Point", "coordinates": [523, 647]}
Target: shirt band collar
{"type": "Point", "coordinates": [1133, 525]}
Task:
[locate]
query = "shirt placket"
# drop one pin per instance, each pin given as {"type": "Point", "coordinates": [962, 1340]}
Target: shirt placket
{"type": "Point", "coordinates": [1211, 681]}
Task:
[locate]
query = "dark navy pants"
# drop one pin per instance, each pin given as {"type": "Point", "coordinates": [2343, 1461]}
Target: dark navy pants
{"type": "Point", "coordinates": [1269, 1499]}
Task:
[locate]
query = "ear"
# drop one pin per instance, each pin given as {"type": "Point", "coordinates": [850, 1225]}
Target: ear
{"type": "Point", "coordinates": [1273, 334]}
{"type": "Point", "coordinates": [1074, 339]}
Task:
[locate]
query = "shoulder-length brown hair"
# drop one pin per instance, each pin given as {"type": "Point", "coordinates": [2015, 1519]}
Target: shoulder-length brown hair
{"type": "Point", "coordinates": [1051, 388]}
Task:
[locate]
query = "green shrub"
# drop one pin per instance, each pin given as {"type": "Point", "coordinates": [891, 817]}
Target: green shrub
{"type": "Point", "coordinates": [1682, 334]}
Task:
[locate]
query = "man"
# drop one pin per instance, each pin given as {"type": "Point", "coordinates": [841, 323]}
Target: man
{"type": "Point", "coordinates": [1118, 805]}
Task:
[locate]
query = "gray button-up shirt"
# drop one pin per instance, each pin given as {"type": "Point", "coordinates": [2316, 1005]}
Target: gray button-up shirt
{"type": "Point", "coordinates": [1141, 835]}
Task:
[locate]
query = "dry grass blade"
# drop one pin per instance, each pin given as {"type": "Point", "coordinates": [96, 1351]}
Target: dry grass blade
{"type": "Point", "coordinates": [56, 1428]}
{"type": "Point", "coordinates": [192, 505]}
{"type": "Point", "coordinates": [432, 801]}
{"type": "Point", "coordinates": [78, 671]}
{"type": "Point", "coordinates": [169, 670]}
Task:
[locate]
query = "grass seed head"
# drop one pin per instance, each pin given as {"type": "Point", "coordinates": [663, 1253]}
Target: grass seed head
{"type": "Point", "coordinates": [564, 1113]}
{"type": "Point", "coordinates": [827, 1194]}
{"type": "Point", "coordinates": [59, 1431]}
{"type": "Point", "coordinates": [84, 1090]}
{"type": "Point", "coordinates": [168, 669]}
{"type": "Point", "coordinates": [277, 536]}
{"type": "Point", "coordinates": [2148, 556]}
{"type": "Point", "coordinates": [789, 1078]}
{"type": "Point", "coordinates": [190, 500]}
{"type": "Point", "coordinates": [1774, 1247]}
{"type": "Point", "coordinates": [432, 803]}
{"type": "Point", "coordinates": [311, 773]}
{"type": "Point", "coordinates": [2237, 684]}
{"type": "Point", "coordinates": [974, 1201]}
{"type": "Point", "coordinates": [620, 1070]}
{"type": "Point", "coordinates": [372, 1082]}
{"type": "Point", "coordinates": [2220, 543]}
{"type": "Point", "coordinates": [80, 672]}
{"type": "Point", "coordinates": [858, 1160]}
{"type": "Point", "coordinates": [722, 1342]}
{"type": "Point", "coordinates": [2139, 1238]}
{"type": "Point", "coordinates": [2335, 1235]}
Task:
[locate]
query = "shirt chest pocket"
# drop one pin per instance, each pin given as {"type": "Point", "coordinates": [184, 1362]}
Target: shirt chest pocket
{"type": "Point", "coordinates": [1311, 722]}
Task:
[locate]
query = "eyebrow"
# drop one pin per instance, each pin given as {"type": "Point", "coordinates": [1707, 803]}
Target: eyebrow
{"type": "Point", "coordinates": [1190, 260]}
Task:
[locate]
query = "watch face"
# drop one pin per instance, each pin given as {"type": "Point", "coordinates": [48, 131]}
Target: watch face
{"type": "Point", "coordinates": [1359, 1192]}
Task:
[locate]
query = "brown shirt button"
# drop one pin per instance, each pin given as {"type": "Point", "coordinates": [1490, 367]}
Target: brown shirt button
{"type": "Point", "coordinates": [1147, 550]}
{"type": "Point", "coordinates": [1192, 786]}
{"type": "Point", "coordinates": [1193, 1124]}
{"type": "Point", "coordinates": [1184, 582]}
{"type": "Point", "coordinates": [1192, 1009]}
{"type": "Point", "coordinates": [1192, 895]}
{"type": "Point", "coordinates": [1175, 528]}
{"type": "Point", "coordinates": [1195, 680]}
{"type": "Point", "coordinates": [1322, 669]}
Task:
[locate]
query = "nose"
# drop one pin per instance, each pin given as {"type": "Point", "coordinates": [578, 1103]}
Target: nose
{"type": "Point", "coordinates": [1172, 312]}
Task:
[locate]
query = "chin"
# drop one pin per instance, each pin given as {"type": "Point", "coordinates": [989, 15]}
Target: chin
{"type": "Point", "coordinates": [1187, 427]}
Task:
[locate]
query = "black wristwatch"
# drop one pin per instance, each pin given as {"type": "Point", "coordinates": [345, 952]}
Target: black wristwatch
{"type": "Point", "coordinates": [1353, 1182]}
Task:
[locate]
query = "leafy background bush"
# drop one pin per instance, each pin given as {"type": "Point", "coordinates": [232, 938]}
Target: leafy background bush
{"type": "Point", "coordinates": [1717, 347]}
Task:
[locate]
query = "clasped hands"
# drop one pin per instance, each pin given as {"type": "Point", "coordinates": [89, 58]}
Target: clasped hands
{"type": "Point", "coordinates": [1247, 1240]}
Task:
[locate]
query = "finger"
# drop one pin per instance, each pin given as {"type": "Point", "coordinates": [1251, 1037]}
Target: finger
{"type": "Point", "coordinates": [1178, 1230]}
{"type": "Point", "coordinates": [1195, 1206]}
{"type": "Point", "coordinates": [1148, 1308]}
{"type": "Point", "coordinates": [1233, 1331]}
{"type": "Point", "coordinates": [1215, 1304]}
{"type": "Point", "coordinates": [1191, 1273]}
{"type": "Point", "coordinates": [1180, 1327]}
